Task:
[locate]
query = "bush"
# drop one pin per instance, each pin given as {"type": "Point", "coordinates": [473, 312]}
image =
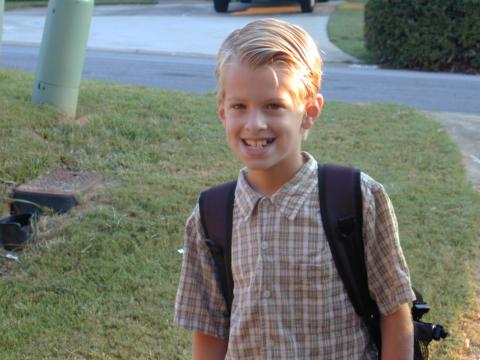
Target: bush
{"type": "Point", "coordinates": [424, 34]}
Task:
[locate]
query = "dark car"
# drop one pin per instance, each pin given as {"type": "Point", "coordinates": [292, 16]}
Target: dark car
{"type": "Point", "coordinates": [306, 5]}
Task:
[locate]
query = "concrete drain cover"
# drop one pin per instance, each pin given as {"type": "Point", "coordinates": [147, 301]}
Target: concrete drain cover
{"type": "Point", "coordinates": [59, 190]}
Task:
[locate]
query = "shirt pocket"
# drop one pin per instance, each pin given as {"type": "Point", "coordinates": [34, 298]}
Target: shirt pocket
{"type": "Point", "coordinates": [321, 298]}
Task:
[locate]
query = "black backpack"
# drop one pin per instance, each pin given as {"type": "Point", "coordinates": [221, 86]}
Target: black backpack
{"type": "Point", "coordinates": [341, 211]}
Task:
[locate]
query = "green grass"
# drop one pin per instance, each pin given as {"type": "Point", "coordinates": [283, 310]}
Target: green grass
{"type": "Point", "coordinates": [101, 281]}
{"type": "Point", "coordinates": [345, 29]}
{"type": "Point", "coordinates": [20, 4]}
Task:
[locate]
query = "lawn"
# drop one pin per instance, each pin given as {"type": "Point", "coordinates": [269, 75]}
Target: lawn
{"type": "Point", "coordinates": [100, 282]}
{"type": "Point", "coordinates": [345, 29]}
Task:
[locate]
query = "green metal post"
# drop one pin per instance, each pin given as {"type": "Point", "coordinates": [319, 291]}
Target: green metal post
{"type": "Point", "coordinates": [62, 54]}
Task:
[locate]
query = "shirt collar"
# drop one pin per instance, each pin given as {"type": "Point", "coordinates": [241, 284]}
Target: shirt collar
{"type": "Point", "coordinates": [288, 199]}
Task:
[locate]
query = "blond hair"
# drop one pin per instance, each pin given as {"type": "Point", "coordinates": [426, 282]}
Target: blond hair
{"type": "Point", "coordinates": [271, 41]}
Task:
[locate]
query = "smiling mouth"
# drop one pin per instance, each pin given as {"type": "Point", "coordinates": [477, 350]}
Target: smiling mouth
{"type": "Point", "coordinates": [257, 144]}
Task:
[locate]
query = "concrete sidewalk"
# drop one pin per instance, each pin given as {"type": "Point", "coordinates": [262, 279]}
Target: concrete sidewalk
{"type": "Point", "coordinates": [188, 27]}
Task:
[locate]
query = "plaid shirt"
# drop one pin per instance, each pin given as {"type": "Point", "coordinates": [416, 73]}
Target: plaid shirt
{"type": "Point", "coordinates": [289, 301]}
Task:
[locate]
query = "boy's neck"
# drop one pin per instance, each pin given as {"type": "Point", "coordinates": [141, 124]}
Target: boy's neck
{"type": "Point", "coordinates": [268, 182]}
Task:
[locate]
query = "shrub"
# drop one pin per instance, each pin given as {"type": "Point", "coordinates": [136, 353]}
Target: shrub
{"type": "Point", "coordinates": [424, 34]}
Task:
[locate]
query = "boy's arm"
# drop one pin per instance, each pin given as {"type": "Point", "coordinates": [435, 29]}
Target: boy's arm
{"type": "Point", "coordinates": [206, 347]}
{"type": "Point", "coordinates": [388, 275]}
{"type": "Point", "coordinates": [200, 306]}
{"type": "Point", "coordinates": [397, 334]}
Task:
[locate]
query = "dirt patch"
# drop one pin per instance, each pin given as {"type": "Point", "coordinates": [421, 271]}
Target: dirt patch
{"type": "Point", "coordinates": [6, 265]}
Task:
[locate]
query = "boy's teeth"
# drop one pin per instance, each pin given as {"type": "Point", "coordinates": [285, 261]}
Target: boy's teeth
{"type": "Point", "coordinates": [256, 143]}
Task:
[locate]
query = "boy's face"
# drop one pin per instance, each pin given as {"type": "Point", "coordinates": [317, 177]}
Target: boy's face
{"type": "Point", "coordinates": [264, 116]}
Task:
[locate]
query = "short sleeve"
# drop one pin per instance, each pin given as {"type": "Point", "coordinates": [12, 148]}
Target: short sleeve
{"type": "Point", "coordinates": [199, 305]}
{"type": "Point", "coordinates": [387, 271]}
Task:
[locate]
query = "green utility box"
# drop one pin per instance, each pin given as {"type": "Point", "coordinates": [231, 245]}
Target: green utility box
{"type": "Point", "coordinates": [62, 54]}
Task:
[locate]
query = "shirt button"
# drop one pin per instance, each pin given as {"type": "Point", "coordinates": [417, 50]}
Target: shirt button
{"type": "Point", "coordinates": [264, 245]}
{"type": "Point", "coordinates": [266, 294]}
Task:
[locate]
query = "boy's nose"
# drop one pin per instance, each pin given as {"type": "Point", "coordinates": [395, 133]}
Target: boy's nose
{"type": "Point", "coordinates": [255, 121]}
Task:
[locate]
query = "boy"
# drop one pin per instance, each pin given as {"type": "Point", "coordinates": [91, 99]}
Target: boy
{"type": "Point", "coordinates": [289, 301]}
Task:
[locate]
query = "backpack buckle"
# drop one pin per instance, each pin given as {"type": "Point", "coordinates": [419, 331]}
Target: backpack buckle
{"type": "Point", "coordinates": [419, 308]}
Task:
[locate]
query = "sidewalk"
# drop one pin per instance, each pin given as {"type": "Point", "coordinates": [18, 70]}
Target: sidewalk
{"type": "Point", "coordinates": [188, 27]}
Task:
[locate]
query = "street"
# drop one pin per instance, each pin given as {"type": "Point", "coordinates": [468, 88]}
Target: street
{"type": "Point", "coordinates": [437, 92]}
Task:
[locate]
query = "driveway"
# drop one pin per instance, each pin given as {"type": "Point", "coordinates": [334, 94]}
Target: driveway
{"type": "Point", "coordinates": [465, 131]}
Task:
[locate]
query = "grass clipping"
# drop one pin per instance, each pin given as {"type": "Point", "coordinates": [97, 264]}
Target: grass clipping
{"type": "Point", "coordinates": [104, 284]}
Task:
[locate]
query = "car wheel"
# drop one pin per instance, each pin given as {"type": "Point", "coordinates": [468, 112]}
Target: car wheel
{"type": "Point", "coordinates": [307, 5]}
{"type": "Point", "coordinates": [221, 5]}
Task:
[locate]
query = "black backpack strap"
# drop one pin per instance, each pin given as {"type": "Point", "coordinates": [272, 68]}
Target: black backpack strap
{"type": "Point", "coordinates": [341, 208]}
{"type": "Point", "coordinates": [216, 214]}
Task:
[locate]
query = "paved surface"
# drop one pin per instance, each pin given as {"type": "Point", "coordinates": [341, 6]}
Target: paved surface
{"type": "Point", "coordinates": [188, 27]}
{"type": "Point", "coordinates": [465, 131]}
{"type": "Point", "coordinates": [438, 92]}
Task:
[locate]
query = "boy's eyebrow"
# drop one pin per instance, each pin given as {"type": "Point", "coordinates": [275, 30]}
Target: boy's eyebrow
{"type": "Point", "coordinates": [233, 98]}
{"type": "Point", "coordinates": [279, 99]}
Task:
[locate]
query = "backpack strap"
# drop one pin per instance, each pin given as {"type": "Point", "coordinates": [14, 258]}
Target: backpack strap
{"type": "Point", "coordinates": [216, 216]}
{"type": "Point", "coordinates": [341, 209]}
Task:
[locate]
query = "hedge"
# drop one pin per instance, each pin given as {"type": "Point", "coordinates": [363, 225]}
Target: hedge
{"type": "Point", "coordinates": [435, 35]}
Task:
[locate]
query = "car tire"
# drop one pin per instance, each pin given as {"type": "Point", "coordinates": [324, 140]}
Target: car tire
{"type": "Point", "coordinates": [307, 5]}
{"type": "Point", "coordinates": [221, 6]}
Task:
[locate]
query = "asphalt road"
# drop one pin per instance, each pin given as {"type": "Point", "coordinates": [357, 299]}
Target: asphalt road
{"type": "Point", "coordinates": [437, 92]}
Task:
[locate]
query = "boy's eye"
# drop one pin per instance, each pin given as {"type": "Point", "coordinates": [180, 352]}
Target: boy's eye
{"type": "Point", "coordinates": [237, 106]}
{"type": "Point", "coordinates": [275, 106]}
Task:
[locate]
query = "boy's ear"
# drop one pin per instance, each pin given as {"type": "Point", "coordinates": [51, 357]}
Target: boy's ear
{"type": "Point", "coordinates": [313, 108]}
{"type": "Point", "coordinates": [221, 113]}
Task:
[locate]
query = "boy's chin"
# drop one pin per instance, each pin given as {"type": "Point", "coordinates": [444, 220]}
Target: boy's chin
{"type": "Point", "coordinates": [257, 165]}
